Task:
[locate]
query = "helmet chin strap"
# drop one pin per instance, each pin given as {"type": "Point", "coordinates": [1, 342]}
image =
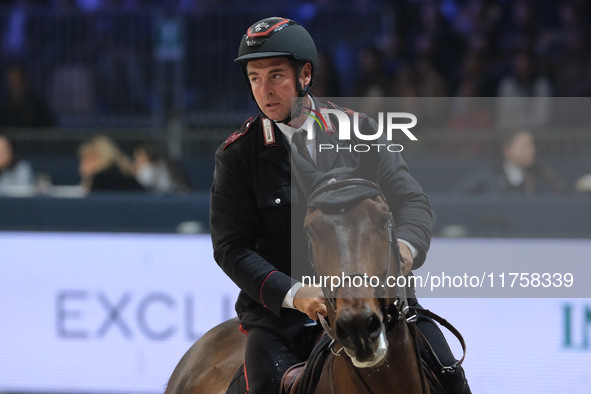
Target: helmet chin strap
{"type": "Point", "coordinates": [302, 92]}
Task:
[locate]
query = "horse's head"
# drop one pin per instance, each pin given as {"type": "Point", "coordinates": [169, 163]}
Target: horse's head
{"type": "Point", "coordinates": [351, 234]}
{"type": "Point", "coordinates": [349, 226]}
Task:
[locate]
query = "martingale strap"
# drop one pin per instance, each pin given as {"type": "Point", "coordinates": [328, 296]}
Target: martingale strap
{"type": "Point", "coordinates": [452, 329]}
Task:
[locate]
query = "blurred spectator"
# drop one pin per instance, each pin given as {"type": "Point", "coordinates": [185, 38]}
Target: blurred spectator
{"type": "Point", "coordinates": [438, 46]}
{"type": "Point", "coordinates": [471, 111]}
{"type": "Point", "coordinates": [421, 79]}
{"type": "Point", "coordinates": [518, 172]}
{"type": "Point", "coordinates": [13, 171]}
{"type": "Point", "coordinates": [326, 80]}
{"type": "Point", "coordinates": [573, 65]}
{"type": "Point", "coordinates": [121, 69]}
{"type": "Point", "coordinates": [430, 83]}
{"type": "Point", "coordinates": [14, 39]}
{"type": "Point", "coordinates": [22, 107]}
{"type": "Point", "coordinates": [524, 80]}
{"type": "Point", "coordinates": [103, 167]}
{"type": "Point", "coordinates": [583, 184]}
{"type": "Point", "coordinates": [521, 29]}
{"type": "Point", "coordinates": [392, 45]}
{"type": "Point", "coordinates": [475, 77]}
{"type": "Point", "coordinates": [534, 89]}
{"type": "Point", "coordinates": [156, 171]}
{"type": "Point", "coordinates": [372, 80]}
{"type": "Point", "coordinates": [470, 122]}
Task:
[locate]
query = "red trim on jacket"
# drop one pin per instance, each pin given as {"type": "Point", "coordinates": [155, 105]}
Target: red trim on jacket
{"type": "Point", "coordinates": [238, 133]}
{"type": "Point", "coordinates": [242, 329]}
{"type": "Point", "coordinates": [262, 285]}
{"type": "Point", "coordinates": [246, 379]}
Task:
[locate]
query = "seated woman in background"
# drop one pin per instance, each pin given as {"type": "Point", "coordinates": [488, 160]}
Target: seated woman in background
{"type": "Point", "coordinates": [103, 167]}
{"type": "Point", "coordinates": [13, 172]}
{"type": "Point", "coordinates": [518, 172]}
{"type": "Point", "coordinates": [156, 171]}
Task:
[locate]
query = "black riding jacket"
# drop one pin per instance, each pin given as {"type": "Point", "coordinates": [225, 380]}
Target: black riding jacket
{"type": "Point", "coordinates": [251, 215]}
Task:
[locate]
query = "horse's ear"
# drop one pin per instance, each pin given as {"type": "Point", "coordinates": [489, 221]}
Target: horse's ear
{"type": "Point", "coordinates": [367, 165]}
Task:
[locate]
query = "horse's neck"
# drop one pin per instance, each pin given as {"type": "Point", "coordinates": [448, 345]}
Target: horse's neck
{"type": "Point", "coordinates": [401, 351]}
{"type": "Point", "coordinates": [398, 374]}
{"type": "Point", "coordinates": [401, 369]}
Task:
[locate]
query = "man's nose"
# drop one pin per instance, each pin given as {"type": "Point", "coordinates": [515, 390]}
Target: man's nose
{"type": "Point", "coordinates": [266, 86]}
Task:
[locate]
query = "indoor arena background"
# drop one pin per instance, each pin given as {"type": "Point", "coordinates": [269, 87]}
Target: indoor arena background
{"type": "Point", "coordinates": [103, 293]}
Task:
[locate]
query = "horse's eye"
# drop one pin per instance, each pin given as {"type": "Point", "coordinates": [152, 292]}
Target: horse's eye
{"type": "Point", "coordinates": [309, 234]}
{"type": "Point", "coordinates": [384, 221]}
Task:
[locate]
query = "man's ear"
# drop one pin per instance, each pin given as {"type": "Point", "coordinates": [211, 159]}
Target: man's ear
{"type": "Point", "coordinates": [306, 75]}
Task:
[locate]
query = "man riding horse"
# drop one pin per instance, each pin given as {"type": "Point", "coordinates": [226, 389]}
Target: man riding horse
{"type": "Point", "coordinates": [254, 209]}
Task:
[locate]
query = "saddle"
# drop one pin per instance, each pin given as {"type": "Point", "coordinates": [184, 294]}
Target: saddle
{"type": "Point", "coordinates": [300, 378]}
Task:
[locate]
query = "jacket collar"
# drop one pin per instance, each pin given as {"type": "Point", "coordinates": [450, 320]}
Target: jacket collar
{"type": "Point", "coordinates": [277, 152]}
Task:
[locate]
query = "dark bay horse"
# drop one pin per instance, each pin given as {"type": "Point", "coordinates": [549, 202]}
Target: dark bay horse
{"type": "Point", "coordinates": [351, 234]}
{"type": "Point", "coordinates": [373, 349]}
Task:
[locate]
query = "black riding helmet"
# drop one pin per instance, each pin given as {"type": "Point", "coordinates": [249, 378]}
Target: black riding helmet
{"type": "Point", "coordinates": [276, 36]}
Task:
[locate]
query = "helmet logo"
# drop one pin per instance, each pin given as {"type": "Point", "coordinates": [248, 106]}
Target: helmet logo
{"type": "Point", "coordinates": [262, 31]}
{"type": "Point", "coordinates": [259, 26]}
{"type": "Point", "coordinates": [254, 41]}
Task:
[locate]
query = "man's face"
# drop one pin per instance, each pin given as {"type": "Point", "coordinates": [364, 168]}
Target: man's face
{"type": "Point", "coordinates": [273, 85]}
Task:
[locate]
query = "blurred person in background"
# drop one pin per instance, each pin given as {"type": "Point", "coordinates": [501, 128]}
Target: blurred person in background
{"type": "Point", "coordinates": [328, 84]}
{"type": "Point", "coordinates": [372, 80]}
{"type": "Point", "coordinates": [532, 89]}
{"type": "Point", "coordinates": [519, 172]}
{"type": "Point", "coordinates": [103, 167]}
{"type": "Point", "coordinates": [13, 171]}
{"type": "Point", "coordinates": [156, 171]}
{"type": "Point", "coordinates": [22, 107]}
{"type": "Point", "coordinates": [583, 183]}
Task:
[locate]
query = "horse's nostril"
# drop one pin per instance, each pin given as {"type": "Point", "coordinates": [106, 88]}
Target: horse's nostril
{"type": "Point", "coordinates": [342, 332]}
{"type": "Point", "coordinates": [374, 327]}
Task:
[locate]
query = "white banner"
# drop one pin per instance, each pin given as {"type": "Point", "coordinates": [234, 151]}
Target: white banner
{"type": "Point", "coordinates": [104, 312]}
{"type": "Point", "coordinates": [115, 313]}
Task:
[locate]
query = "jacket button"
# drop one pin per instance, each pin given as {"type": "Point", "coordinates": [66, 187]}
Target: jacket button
{"type": "Point", "coordinates": [277, 201]}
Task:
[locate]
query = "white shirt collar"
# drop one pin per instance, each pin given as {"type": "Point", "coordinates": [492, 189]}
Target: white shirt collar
{"type": "Point", "coordinates": [289, 131]}
{"type": "Point", "coordinates": [515, 174]}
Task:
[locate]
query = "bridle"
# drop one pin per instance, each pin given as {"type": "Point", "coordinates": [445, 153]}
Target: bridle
{"type": "Point", "coordinates": [347, 194]}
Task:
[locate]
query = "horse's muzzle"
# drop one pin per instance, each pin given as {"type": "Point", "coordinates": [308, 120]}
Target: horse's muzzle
{"type": "Point", "coordinates": [362, 335]}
